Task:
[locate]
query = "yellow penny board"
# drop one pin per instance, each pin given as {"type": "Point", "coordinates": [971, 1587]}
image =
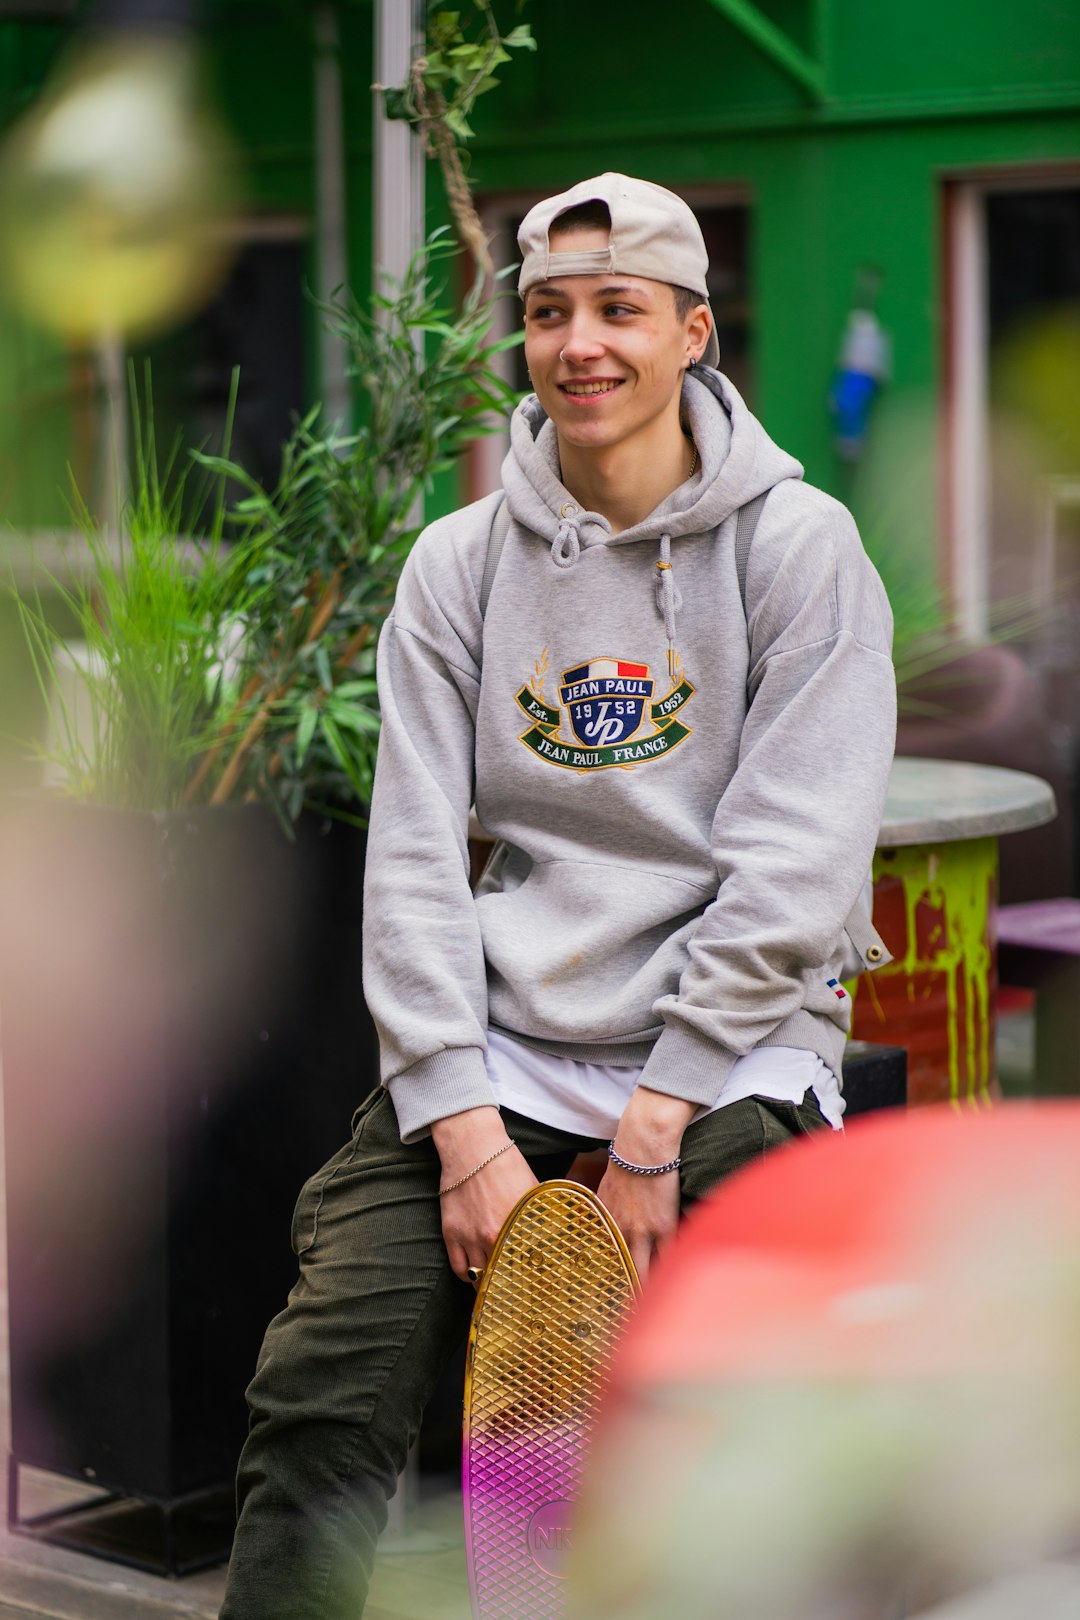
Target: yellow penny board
{"type": "Point", "coordinates": [547, 1316]}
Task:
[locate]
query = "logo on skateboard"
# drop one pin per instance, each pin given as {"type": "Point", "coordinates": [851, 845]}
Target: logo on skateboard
{"type": "Point", "coordinates": [549, 1537]}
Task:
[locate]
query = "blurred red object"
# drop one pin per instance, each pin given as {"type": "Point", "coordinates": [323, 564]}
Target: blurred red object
{"type": "Point", "coordinates": [842, 1256]}
{"type": "Point", "coordinates": [854, 1378]}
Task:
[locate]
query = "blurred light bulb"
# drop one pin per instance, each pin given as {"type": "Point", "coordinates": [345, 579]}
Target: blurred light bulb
{"type": "Point", "coordinates": [115, 190]}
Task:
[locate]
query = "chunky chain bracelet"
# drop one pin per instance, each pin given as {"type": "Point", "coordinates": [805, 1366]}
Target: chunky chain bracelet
{"type": "Point", "coordinates": [641, 1169]}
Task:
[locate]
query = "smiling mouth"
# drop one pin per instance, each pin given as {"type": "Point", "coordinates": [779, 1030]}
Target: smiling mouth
{"type": "Point", "coordinates": [583, 390]}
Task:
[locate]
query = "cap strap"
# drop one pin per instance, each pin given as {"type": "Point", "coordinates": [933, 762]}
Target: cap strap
{"type": "Point", "coordinates": [585, 262]}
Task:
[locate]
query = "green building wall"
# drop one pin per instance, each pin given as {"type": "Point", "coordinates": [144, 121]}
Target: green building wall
{"type": "Point", "coordinates": [912, 93]}
{"type": "Point", "coordinates": [915, 93]}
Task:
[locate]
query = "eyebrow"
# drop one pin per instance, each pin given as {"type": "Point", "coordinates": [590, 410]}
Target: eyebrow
{"type": "Point", "coordinates": [551, 290]}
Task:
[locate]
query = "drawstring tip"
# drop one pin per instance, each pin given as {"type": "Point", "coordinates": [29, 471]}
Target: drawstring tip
{"type": "Point", "coordinates": [671, 663]}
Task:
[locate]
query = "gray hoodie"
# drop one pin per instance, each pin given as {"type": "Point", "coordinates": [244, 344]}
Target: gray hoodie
{"type": "Point", "coordinates": [674, 867]}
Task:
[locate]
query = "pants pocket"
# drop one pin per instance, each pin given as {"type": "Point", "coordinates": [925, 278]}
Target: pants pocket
{"type": "Point", "coordinates": [365, 1107]}
{"type": "Point", "coordinates": [305, 1221]}
{"type": "Point", "coordinates": [799, 1119]}
{"type": "Point", "coordinates": [306, 1214]}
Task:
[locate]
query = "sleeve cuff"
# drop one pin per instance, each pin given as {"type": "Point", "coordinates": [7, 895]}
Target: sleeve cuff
{"type": "Point", "coordinates": [448, 1082]}
{"type": "Point", "coordinates": [688, 1065]}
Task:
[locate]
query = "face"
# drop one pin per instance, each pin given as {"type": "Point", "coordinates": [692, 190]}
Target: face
{"type": "Point", "coordinates": [607, 354]}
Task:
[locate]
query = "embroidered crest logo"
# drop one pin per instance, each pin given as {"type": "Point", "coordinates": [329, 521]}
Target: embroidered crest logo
{"type": "Point", "coordinates": [605, 706]}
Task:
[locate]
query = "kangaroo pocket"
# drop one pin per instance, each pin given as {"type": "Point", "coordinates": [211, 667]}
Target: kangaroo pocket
{"type": "Point", "coordinates": [580, 951]}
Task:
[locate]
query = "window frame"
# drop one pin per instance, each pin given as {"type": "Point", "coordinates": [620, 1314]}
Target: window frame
{"type": "Point", "coordinates": [966, 515]}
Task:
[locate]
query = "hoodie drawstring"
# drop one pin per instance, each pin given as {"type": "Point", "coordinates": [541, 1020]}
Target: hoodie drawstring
{"type": "Point", "coordinates": [668, 598]}
{"type": "Point", "coordinates": [566, 547]}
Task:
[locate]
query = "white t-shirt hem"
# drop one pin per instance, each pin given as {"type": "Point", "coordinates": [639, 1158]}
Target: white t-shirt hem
{"type": "Point", "coordinates": [587, 1099]}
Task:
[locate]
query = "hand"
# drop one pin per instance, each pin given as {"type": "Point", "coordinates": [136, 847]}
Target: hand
{"type": "Point", "coordinates": [474, 1213]}
{"type": "Point", "coordinates": [646, 1208]}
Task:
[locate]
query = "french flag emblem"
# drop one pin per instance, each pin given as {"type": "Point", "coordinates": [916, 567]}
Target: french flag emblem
{"type": "Point", "coordinates": [606, 669]}
{"type": "Point", "coordinates": [837, 989]}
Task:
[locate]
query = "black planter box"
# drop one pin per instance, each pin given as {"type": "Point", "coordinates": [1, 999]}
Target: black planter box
{"type": "Point", "coordinates": [184, 1039]}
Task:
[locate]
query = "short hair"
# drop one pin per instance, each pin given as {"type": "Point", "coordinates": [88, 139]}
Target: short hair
{"type": "Point", "coordinates": [595, 215]}
{"type": "Point", "coordinates": [685, 300]}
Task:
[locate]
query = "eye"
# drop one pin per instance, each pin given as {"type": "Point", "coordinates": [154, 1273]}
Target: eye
{"type": "Point", "coordinates": [544, 312]}
{"type": "Point", "coordinates": [618, 309]}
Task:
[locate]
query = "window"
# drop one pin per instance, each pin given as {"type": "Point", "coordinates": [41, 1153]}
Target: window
{"type": "Point", "coordinates": [1014, 319]}
{"type": "Point", "coordinates": [256, 322]}
{"type": "Point", "coordinates": [1014, 416]}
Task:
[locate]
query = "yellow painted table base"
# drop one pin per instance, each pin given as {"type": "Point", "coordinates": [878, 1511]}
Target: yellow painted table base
{"type": "Point", "coordinates": [934, 905]}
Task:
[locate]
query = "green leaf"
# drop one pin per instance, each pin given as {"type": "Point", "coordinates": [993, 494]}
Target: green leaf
{"type": "Point", "coordinates": [305, 731]}
{"type": "Point", "coordinates": [444, 26]}
{"type": "Point", "coordinates": [336, 744]}
{"type": "Point", "coordinates": [459, 124]}
{"type": "Point", "coordinates": [356, 689]}
{"type": "Point", "coordinates": [520, 38]}
{"type": "Point", "coordinates": [436, 71]}
{"type": "Point", "coordinates": [360, 720]}
{"type": "Point", "coordinates": [322, 664]}
{"type": "Point", "coordinates": [513, 341]}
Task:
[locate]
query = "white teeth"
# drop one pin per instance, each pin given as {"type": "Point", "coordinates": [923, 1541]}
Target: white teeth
{"type": "Point", "coordinates": [590, 388]}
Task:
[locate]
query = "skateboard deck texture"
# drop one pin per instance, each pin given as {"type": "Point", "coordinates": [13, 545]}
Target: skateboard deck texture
{"type": "Point", "coordinates": [546, 1320]}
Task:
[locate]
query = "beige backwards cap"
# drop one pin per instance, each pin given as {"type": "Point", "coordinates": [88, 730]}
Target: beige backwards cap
{"type": "Point", "coordinates": [653, 234]}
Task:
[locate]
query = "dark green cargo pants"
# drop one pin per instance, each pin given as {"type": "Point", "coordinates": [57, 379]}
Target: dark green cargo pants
{"type": "Point", "coordinates": [347, 1368]}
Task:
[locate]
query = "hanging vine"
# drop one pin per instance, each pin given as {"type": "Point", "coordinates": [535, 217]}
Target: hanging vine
{"type": "Point", "coordinates": [458, 66]}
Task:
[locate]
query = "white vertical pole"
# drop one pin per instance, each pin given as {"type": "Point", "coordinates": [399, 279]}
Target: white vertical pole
{"type": "Point", "coordinates": [399, 156]}
{"type": "Point", "coordinates": [399, 235]}
{"type": "Point", "coordinates": [333, 269]}
{"type": "Point", "coordinates": [970, 516]}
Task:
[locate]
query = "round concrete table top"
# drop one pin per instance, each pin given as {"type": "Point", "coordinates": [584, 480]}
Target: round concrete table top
{"type": "Point", "coordinates": [939, 801]}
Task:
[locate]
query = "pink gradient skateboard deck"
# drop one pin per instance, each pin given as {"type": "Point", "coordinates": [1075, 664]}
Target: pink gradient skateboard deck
{"type": "Point", "coordinates": [547, 1316]}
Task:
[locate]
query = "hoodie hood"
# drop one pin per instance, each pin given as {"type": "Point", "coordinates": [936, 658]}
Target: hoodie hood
{"type": "Point", "coordinates": [738, 461]}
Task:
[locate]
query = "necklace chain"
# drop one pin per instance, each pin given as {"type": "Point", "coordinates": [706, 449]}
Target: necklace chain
{"type": "Point", "coordinates": [694, 461]}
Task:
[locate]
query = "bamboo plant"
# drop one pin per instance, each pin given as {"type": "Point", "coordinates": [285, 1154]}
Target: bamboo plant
{"type": "Point", "coordinates": [324, 547]}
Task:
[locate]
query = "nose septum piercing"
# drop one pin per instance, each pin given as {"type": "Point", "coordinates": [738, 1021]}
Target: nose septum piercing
{"type": "Point", "coordinates": [562, 353]}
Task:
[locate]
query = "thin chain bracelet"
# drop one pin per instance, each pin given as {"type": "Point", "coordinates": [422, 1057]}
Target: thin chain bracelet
{"type": "Point", "coordinates": [475, 1170]}
{"type": "Point", "coordinates": [641, 1169]}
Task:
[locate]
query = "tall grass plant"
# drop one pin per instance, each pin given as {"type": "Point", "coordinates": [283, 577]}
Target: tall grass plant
{"type": "Point", "coordinates": [133, 690]}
